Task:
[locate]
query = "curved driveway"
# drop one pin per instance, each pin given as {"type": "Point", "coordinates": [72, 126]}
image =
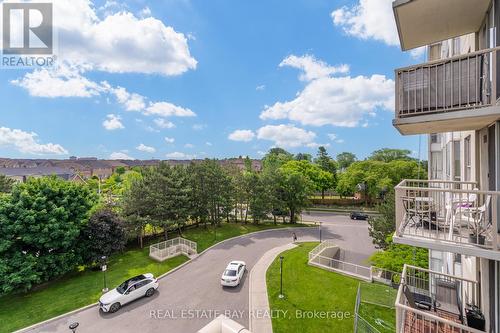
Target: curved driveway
{"type": "Point", "coordinates": [191, 297]}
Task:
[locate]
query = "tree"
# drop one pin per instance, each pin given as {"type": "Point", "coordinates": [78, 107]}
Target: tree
{"type": "Point", "coordinates": [303, 157]}
{"type": "Point", "coordinates": [137, 201]}
{"type": "Point", "coordinates": [389, 155]}
{"type": "Point", "coordinates": [384, 225]}
{"type": "Point", "coordinates": [295, 191]}
{"type": "Point", "coordinates": [345, 159]}
{"type": "Point", "coordinates": [40, 227]}
{"type": "Point", "coordinates": [375, 177]}
{"type": "Point", "coordinates": [6, 184]}
{"type": "Point", "coordinates": [321, 180]}
{"type": "Point", "coordinates": [104, 234]}
{"type": "Point", "coordinates": [397, 255]}
{"type": "Point", "coordinates": [275, 158]}
{"type": "Point", "coordinates": [260, 202]}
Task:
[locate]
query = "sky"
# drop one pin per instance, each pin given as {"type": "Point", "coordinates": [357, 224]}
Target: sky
{"type": "Point", "coordinates": [182, 79]}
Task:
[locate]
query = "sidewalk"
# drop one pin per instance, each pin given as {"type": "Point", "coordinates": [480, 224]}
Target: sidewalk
{"type": "Point", "coordinates": [258, 300]}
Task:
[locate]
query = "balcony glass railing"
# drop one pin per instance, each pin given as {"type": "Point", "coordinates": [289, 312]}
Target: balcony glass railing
{"type": "Point", "coordinates": [457, 83]}
{"type": "Point", "coordinates": [447, 211]}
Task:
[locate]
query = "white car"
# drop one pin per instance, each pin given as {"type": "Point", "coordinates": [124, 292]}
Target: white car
{"type": "Point", "coordinates": [233, 274]}
{"type": "Point", "coordinates": [134, 288]}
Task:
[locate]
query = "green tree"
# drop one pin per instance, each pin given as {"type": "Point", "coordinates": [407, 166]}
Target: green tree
{"type": "Point", "coordinates": [104, 234]}
{"type": "Point", "coordinates": [322, 180]}
{"type": "Point", "coordinates": [389, 155]}
{"type": "Point", "coordinates": [375, 177]}
{"type": "Point", "coordinates": [275, 158]}
{"type": "Point", "coordinates": [345, 159]}
{"type": "Point", "coordinates": [397, 255]}
{"type": "Point", "coordinates": [303, 157]}
{"type": "Point", "coordinates": [295, 190]}
{"type": "Point", "coordinates": [40, 228]}
{"type": "Point", "coordinates": [383, 226]}
{"type": "Point", "coordinates": [260, 201]}
{"type": "Point", "coordinates": [6, 184]}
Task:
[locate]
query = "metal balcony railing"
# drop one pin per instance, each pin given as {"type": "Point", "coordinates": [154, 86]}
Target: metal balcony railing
{"type": "Point", "coordinates": [433, 302]}
{"type": "Point", "coordinates": [457, 83]}
{"type": "Point", "coordinates": [450, 212]}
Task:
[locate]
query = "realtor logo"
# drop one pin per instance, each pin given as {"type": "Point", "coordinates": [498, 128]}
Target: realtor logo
{"type": "Point", "coordinates": [27, 28]}
{"type": "Point", "coordinates": [27, 35]}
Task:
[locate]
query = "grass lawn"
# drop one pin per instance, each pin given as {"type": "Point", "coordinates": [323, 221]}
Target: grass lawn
{"type": "Point", "coordinates": [83, 287]}
{"type": "Point", "coordinates": [309, 288]}
{"type": "Point", "coordinates": [206, 239]}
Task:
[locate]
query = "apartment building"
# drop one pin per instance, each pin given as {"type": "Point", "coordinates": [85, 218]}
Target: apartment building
{"type": "Point", "coordinates": [453, 98]}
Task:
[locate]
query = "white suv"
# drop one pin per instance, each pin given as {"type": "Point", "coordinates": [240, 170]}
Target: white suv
{"type": "Point", "coordinates": [233, 274]}
{"type": "Point", "coordinates": [134, 288]}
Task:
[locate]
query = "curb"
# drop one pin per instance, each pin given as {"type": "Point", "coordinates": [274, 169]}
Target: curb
{"type": "Point", "coordinates": [282, 249]}
{"type": "Point", "coordinates": [173, 270]}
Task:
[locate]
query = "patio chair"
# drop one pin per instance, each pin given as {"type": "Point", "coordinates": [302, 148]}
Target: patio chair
{"type": "Point", "coordinates": [473, 217]}
{"type": "Point", "coordinates": [410, 217]}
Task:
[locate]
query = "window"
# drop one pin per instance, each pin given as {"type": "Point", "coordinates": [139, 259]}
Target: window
{"type": "Point", "coordinates": [436, 165]}
{"type": "Point", "coordinates": [435, 138]}
{"type": "Point", "coordinates": [456, 161]}
{"type": "Point", "coordinates": [467, 159]}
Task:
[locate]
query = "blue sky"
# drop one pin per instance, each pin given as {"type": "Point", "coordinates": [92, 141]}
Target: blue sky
{"type": "Point", "coordinates": [185, 78]}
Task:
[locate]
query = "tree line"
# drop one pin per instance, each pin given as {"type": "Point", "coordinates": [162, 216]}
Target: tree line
{"type": "Point", "coordinates": [49, 226]}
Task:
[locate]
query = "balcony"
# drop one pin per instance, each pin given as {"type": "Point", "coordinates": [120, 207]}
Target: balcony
{"type": "Point", "coordinates": [434, 302]}
{"type": "Point", "coordinates": [448, 216]}
{"type": "Point", "coordinates": [423, 22]}
{"type": "Point", "coordinates": [453, 94]}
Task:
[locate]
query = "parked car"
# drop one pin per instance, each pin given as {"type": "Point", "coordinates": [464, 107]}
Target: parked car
{"type": "Point", "coordinates": [358, 216]}
{"type": "Point", "coordinates": [132, 289]}
{"type": "Point", "coordinates": [233, 274]}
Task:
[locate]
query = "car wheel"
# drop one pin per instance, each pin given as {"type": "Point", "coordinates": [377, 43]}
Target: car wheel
{"type": "Point", "coordinates": [115, 307]}
{"type": "Point", "coordinates": [150, 292]}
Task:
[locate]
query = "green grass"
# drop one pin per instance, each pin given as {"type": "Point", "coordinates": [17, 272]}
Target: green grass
{"type": "Point", "coordinates": [206, 237]}
{"type": "Point", "coordinates": [308, 288]}
{"type": "Point", "coordinates": [83, 287]}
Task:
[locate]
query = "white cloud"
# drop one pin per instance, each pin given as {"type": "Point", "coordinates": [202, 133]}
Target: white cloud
{"type": "Point", "coordinates": [371, 19]}
{"type": "Point", "coordinates": [119, 42]}
{"type": "Point", "coordinates": [242, 135]}
{"type": "Point", "coordinates": [209, 144]}
{"type": "Point", "coordinates": [63, 81]}
{"type": "Point", "coordinates": [147, 149]}
{"type": "Point", "coordinates": [312, 68]}
{"type": "Point", "coordinates": [162, 123]}
{"type": "Point", "coordinates": [169, 140]}
{"type": "Point", "coordinates": [145, 12]}
{"type": "Point", "coordinates": [130, 101]}
{"type": "Point", "coordinates": [112, 122]}
{"type": "Point", "coordinates": [26, 142]}
{"type": "Point", "coordinates": [165, 109]}
{"type": "Point", "coordinates": [120, 156]}
{"type": "Point", "coordinates": [260, 87]}
{"type": "Point", "coordinates": [339, 101]}
{"type": "Point", "coordinates": [188, 145]}
{"type": "Point", "coordinates": [368, 19]}
{"type": "Point", "coordinates": [180, 156]}
{"type": "Point", "coordinates": [286, 136]}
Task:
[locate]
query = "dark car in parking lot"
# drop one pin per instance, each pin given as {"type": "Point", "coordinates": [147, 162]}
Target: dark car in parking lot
{"type": "Point", "coordinates": [358, 216]}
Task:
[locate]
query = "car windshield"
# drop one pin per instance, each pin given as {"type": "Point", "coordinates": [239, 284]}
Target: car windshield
{"type": "Point", "coordinates": [230, 272]}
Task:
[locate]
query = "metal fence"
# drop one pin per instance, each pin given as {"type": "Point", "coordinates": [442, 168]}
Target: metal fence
{"type": "Point", "coordinates": [362, 322]}
{"type": "Point", "coordinates": [171, 248]}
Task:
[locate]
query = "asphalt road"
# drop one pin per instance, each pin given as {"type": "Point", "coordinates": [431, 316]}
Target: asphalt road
{"type": "Point", "coordinates": [192, 296]}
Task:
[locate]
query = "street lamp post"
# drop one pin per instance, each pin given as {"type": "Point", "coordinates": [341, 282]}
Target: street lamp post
{"type": "Point", "coordinates": [104, 268]}
{"type": "Point", "coordinates": [320, 238]}
{"type": "Point", "coordinates": [281, 278]}
{"type": "Point", "coordinates": [73, 326]}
